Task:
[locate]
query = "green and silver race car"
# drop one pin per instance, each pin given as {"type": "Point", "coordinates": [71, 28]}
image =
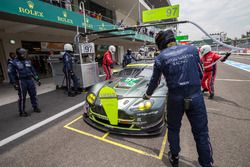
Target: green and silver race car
{"type": "Point", "coordinates": [116, 105]}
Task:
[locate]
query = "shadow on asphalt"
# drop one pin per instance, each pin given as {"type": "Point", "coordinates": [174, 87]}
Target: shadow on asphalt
{"type": "Point", "coordinates": [183, 162]}
{"type": "Point", "coordinates": [124, 138]}
{"type": "Point", "coordinates": [231, 117]}
{"type": "Point", "coordinates": [228, 102]}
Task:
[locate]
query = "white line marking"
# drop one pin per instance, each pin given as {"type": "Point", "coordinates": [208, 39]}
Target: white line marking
{"type": "Point", "coordinates": [214, 109]}
{"type": "Point", "coordinates": [247, 58]}
{"type": "Point", "coordinates": [242, 66]}
{"type": "Point", "coordinates": [234, 80]}
{"type": "Point", "coordinates": [38, 125]}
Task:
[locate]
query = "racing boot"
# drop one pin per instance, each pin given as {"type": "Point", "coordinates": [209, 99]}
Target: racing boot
{"type": "Point", "coordinates": [71, 94]}
{"type": "Point", "coordinates": [37, 110]}
{"type": "Point", "coordinates": [174, 160]}
{"type": "Point", "coordinates": [78, 92]}
{"type": "Point", "coordinates": [204, 90]}
{"type": "Point", "coordinates": [211, 96]}
{"type": "Point", "coordinates": [24, 114]}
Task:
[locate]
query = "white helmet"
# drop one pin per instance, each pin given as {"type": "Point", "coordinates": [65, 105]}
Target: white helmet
{"type": "Point", "coordinates": [141, 50]}
{"type": "Point", "coordinates": [68, 47]}
{"type": "Point", "coordinates": [112, 49]}
{"type": "Point", "coordinates": [205, 49]}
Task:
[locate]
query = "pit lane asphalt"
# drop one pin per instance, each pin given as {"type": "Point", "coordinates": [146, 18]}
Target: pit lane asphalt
{"type": "Point", "coordinates": [54, 145]}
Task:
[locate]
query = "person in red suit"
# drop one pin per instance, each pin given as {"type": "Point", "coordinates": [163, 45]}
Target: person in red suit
{"type": "Point", "coordinates": [107, 61]}
{"type": "Point", "coordinates": [209, 60]}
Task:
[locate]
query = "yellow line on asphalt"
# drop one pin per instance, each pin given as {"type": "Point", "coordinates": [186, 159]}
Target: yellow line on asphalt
{"type": "Point", "coordinates": [106, 140]}
{"type": "Point", "coordinates": [73, 121]}
{"type": "Point", "coordinates": [106, 134]}
{"type": "Point", "coordinates": [112, 142]}
{"type": "Point", "coordinates": [163, 146]}
{"type": "Point", "coordinates": [137, 65]}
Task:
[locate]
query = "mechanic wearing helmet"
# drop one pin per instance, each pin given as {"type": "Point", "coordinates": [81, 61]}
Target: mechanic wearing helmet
{"type": "Point", "coordinates": [21, 73]}
{"type": "Point", "coordinates": [140, 54]}
{"type": "Point", "coordinates": [180, 65]}
{"type": "Point", "coordinates": [209, 59]}
{"type": "Point", "coordinates": [127, 58]}
{"type": "Point", "coordinates": [68, 71]}
{"type": "Point", "coordinates": [107, 61]}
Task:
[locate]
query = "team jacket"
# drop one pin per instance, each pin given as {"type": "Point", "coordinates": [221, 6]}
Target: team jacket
{"type": "Point", "coordinates": [209, 59]}
{"type": "Point", "coordinates": [67, 62]}
{"type": "Point", "coordinates": [180, 66]}
{"type": "Point", "coordinates": [107, 58]}
{"type": "Point", "coordinates": [20, 69]}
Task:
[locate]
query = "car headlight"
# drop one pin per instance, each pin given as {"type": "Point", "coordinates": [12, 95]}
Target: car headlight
{"type": "Point", "coordinates": [91, 97]}
{"type": "Point", "coordinates": [145, 105]}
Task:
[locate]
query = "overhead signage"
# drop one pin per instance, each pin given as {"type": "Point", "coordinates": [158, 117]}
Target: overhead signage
{"type": "Point", "coordinates": [181, 37]}
{"type": "Point", "coordinates": [29, 10]}
{"type": "Point", "coordinates": [158, 14]}
{"type": "Point", "coordinates": [65, 18]}
{"type": "Point", "coordinates": [44, 11]}
{"type": "Point", "coordinates": [88, 48]}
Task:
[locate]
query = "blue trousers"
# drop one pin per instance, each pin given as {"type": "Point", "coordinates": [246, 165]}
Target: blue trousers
{"type": "Point", "coordinates": [24, 87]}
{"type": "Point", "coordinates": [197, 117]}
{"type": "Point", "coordinates": [68, 77]}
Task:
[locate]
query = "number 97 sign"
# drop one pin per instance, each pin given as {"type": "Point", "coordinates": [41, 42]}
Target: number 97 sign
{"type": "Point", "coordinates": [159, 14]}
{"type": "Point", "coordinates": [88, 48]}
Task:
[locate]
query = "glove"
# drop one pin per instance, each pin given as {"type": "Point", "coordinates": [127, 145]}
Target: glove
{"type": "Point", "coordinates": [146, 97]}
{"type": "Point", "coordinates": [225, 58]}
{"type": "Point", "coordinates": [39, 83]}
{"type": "Point", "coordinates": [227, 54]}
{"type": "Point", "coordinates": [16, 87]}
{"type": "Point", "coordinates": [36, 78]}
{"type": "Point", "coordinates": [71, 73]}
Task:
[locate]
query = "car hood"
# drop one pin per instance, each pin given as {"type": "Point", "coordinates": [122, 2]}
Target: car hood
{"type": "Point", "coordinates": [127, 87]}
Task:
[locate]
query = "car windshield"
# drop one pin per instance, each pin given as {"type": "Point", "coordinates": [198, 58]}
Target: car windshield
{"type": "Point", "coordinates": [134, 72]}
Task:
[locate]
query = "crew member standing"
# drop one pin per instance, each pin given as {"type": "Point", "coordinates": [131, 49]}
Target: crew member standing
{"type": "Point", "coordinates": [107, 61]}
{"type": "Point", "coordinates": [12, 56]}
{"type": "Point", "coordinates": [127, 58]}
{"type": "Point", "coordinates": [68, 71]}
{"type": "Point", "coordinates": [22, 73]}
{"type": "Point", "coordinates": [209, 59]}
{"type": "Point", "coordinates": [180, 65]}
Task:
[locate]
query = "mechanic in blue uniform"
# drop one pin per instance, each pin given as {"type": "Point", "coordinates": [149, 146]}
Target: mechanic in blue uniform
{"type": "Point", "coordinates": [127, 58]}
{"type": "Point", "coordinates": [181, 67]}
{"type": "Point", "coordinates": [21, 74]}
{"type": "Point", "coordinates": [12, 56]}
{"type": "Point", "coordinates": [68, 71]}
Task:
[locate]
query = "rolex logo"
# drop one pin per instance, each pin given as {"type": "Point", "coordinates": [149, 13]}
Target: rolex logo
{"type": "Point", "coordinates": [65, 14]}
{"type": "Point", "coordinates": [30, 4]}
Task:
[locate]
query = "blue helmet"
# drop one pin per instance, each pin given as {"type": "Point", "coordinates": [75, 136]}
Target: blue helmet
{"type": "Point", "coordinates": [163, 38]}
{"type": "Point", "coordinates": [21, 52]}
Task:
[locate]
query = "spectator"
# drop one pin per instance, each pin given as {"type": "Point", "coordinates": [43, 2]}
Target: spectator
{"type": "Point", "coordinates": [94, 15]}
{"type": "Point", "coordinates": [68, 4]}
{"type": "Point", "coordinates": [56, 2]}
{"type": "Point", "coordinates": [99, 16]}
{"type": "Point", "coordinates": [47, 1]}
{"type": "Point", "coordinates": [120, 24]}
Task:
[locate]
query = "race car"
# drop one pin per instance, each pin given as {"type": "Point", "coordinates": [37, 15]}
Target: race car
{"type": "Point", "coordinates": [116, 105]}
